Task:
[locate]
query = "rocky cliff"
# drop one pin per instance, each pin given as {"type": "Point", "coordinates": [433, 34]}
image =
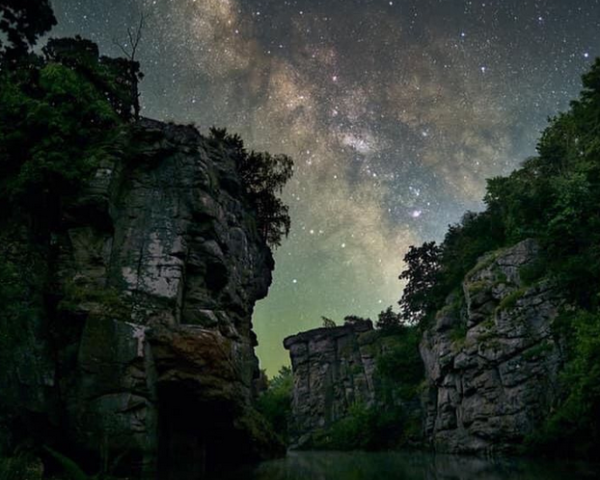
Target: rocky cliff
{"type": "Point", "coordinates": [492, 359]}
{"type": "Point", "coordinates": [142, 356]}
{"type": "Point", "coordinates": [333, 369]}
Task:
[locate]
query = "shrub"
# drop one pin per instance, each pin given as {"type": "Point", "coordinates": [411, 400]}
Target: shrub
{"type": "Point", "coordinates": [276, 402]}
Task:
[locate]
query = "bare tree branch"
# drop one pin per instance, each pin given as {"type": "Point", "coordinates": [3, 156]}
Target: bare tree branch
{"type": "Point", "coordinates": [134, 36]}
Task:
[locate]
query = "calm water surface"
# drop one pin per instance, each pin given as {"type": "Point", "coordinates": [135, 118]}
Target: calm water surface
{"type": "Point", "coordinates": [408, 466]}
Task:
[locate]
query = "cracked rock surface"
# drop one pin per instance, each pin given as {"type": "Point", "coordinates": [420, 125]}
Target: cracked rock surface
{"type": "Point", "coordinates": [147, 354]}
{"type": "Point", "coordinates": [492, 360]}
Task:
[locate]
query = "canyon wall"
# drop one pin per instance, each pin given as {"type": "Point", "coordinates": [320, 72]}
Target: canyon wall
{"type": "Point", "coordinates": [333, 369]}
{"type": "Point", "coordinates": [492, 358]}
{"type": "Point", "coordinates": [142, 356]}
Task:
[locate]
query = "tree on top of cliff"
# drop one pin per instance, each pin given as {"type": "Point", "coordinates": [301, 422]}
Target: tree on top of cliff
{"type": "Point", "coordinates": [354, 319]}
{"type": "Point", "coordinates": [131, 66]}
{"type": "Point", "coordinates": [389, 321]}
{"type": "Point", "coordinates": [263, 176]}
{"type": "Point", "coordinates": [328, 322]}
{"type": "Point", "coordinates": [61, 113]}
{"type": "Point", "coordinates": [422, 267]}
{"type": "Point", "coordinates": [23, 22]}
{"type": "Point", "coordinates": [117, 78]}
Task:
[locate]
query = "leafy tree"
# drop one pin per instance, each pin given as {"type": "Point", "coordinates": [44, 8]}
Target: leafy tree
{"type": "Point", "coordinates": [328, 322]}
{"type": "Point", "coordinates": [573, 428]}
{"type": "Point", "coordinates": [263, 177]}
{"type": "Point", "coordinates": [55, 128]}
{"type": "Point", "coordinates": [23, 22]}
{"type": "Point", "coordinates": [116, 78]}
{"type": "Point", "coordinates": [354, 319]}
{"type": "Point", "coordinates": [422, 268]}
{"type": "Point", "coordinates": [400, 368]}
{"type": "Point", "coordinates": [389, 321]}
{"type": "Point", "coordinates": [276, 402]}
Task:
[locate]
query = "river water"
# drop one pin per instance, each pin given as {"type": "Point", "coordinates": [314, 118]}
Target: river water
{"type": "Point", "coordinates": [408, 466]}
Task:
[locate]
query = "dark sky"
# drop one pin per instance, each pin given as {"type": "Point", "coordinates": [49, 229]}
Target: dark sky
{"type": "Point", "coordinates": [395, 111]}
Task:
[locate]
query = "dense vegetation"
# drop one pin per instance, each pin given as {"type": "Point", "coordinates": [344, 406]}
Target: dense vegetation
{"type": "Point", "coordinates": [263, 176]}
{"type": "Point", "coordinates": [391, 423]}
{"type": "Point", "coordinates": [555, 198]}
{"type": "Point", "coordinates": [275, 403]}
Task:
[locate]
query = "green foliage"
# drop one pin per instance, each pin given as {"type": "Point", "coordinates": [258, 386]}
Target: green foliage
{"type": "Point", "coordinates": [510, 301]}
{"type": "Point", "coordinates": [552, 198]}
{"type": "Point", "coordinates": [56, 127]}
{"type": "Point", "coordinates": [15, 468]}
{"type": "Point", "coordinates": [276, 402]}
{"type": "Point", "coordinates": [365, 429]}
{"type": "Point", "coordinates": [533, 272]}
{"type": "Point", "coordinates": [116, 78]}
{"type": "Point", "coordinates": [421, 274]}
{"type": "Point", "coordinates": [539, 350]}
{"type": "Point", "coordinates": [354, 319]}
{"type": "Point", "coordinates": [574, 426]}
{"type": "Point", "coordinates": [263, 177]}
{"type": "Point", "coordinates": [104, 302]}
{"type": "Point", "coordinates": [389, 321]}
{"type": "Point", "coordinates": [434, 272]}
{"type": "Point", "coordinates": [23, 22]}
{"type": "Point", "coordinates": [458, 333]}
{"type": "Point", "coordinates": [476, 287]}
{"type": "Point", "coordinates": [400, 367]}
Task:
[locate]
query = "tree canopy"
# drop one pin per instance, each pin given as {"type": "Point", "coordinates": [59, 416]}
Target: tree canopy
{"type": "Point", "coordinates": [23, 22]}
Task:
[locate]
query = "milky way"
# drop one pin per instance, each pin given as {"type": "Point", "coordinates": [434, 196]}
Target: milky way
{"type": "Point", "coordinates": [395, 113]}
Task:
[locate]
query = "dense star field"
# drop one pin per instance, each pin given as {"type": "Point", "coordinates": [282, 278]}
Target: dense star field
{"type": "Point", "coordinates": [395, 112]}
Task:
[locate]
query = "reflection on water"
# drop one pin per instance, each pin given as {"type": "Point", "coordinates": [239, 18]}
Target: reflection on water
{"type": "Point", "coordinates": [408, 466]}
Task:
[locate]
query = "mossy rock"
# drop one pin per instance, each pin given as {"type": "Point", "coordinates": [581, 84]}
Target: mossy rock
{"type": "Point", "coordinates": [510, 301]}
{"type": "Point", "coordinates": [476, 287]}
{"type": "Point", "coordinates": [484, 262]}
{"type": "Point", "coordinates": [540, 350]}
{"type": "Point", "coordinates": [458, 333]}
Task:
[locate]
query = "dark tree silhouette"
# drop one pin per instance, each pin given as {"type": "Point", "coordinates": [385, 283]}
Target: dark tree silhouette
{"type": "Point", "coordinates": [352, 319]}
{"type": "Point", "coordinates": [263, 176]}
{"type": "Point", "coordinates": [423, 265]}
{"type": "Point", "coordinates": [23, 22]}
{"type": "Point", "coordinates": [328, 322]}
{"type": "Point", "coordinates": [117, 77]}
{"type": "Point", "coordinates": [130, 50]}
{"type": "Point", "coordinates": [388, 320]}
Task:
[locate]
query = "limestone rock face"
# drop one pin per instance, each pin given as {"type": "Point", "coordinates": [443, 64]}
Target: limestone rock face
{"type": "Point", "coordinates": [147, 357]}
{"type": "Point", "coordinates": [333, 368]}
{"type": "Point", "coordinates": [491, 360]}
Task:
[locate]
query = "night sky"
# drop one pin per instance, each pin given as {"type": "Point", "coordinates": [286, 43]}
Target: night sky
{"type": "Point", "coordinates": [395, 112]}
